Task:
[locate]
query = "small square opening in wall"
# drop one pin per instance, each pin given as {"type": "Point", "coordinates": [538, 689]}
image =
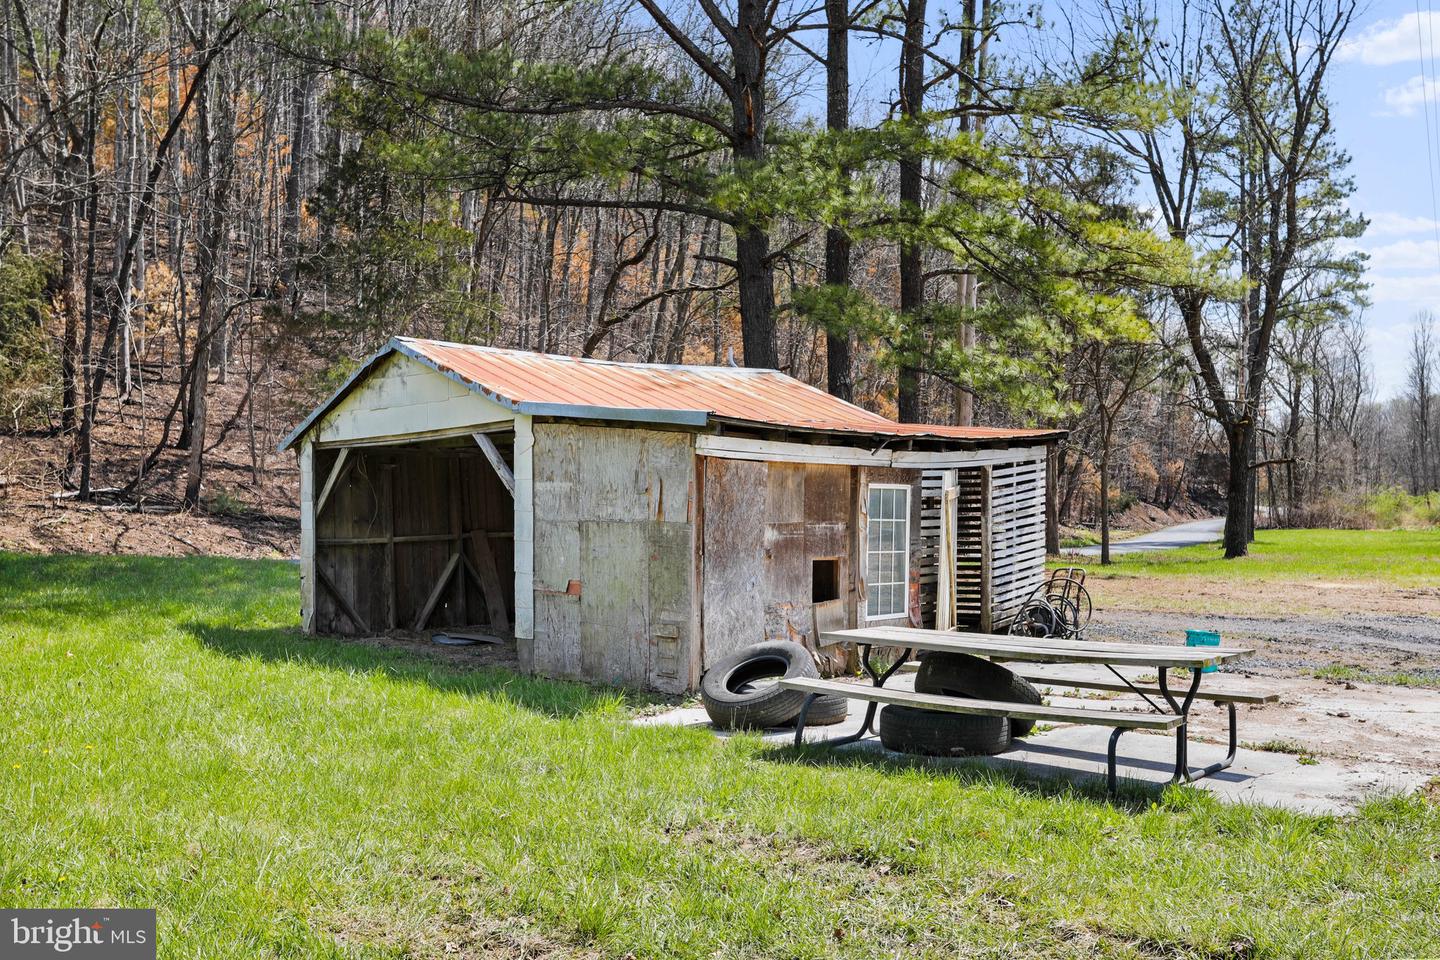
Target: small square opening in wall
{"type": "Point", "coordinates": [824, 579]}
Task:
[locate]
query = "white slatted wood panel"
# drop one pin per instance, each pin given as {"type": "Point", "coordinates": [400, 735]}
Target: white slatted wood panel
{"type": "Point", "coordinates": [1016, 547]}
{"type": "Point", "coordinates": [1017, 510]}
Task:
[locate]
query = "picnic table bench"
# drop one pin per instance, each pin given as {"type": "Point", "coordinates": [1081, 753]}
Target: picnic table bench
{"type": "Point", "coordinates": [1173, 716]}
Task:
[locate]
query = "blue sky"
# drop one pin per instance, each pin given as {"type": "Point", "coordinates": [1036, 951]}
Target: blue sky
{"type": "Point", "coordinates": [1380, 88]}
{"type": "Point", "coordinates": [1379, 92]}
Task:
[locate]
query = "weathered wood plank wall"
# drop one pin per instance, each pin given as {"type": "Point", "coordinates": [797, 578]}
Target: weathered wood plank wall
{"type": "Point", "coordinates": [763, 526]}
{"type": "Point", "coordinates": [613, 535]}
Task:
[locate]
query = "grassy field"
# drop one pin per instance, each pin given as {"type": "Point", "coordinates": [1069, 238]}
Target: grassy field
{"type": "Point", "coordinates": [1399, 557]}
{"type": "Point", "coordinates": [169, 740]}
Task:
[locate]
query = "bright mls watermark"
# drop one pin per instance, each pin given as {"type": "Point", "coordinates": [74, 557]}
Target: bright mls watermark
{"type": "Point", "coordinates": [81, 934]}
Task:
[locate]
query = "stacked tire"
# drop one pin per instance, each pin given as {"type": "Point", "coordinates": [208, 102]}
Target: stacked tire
{"type": "Point", "coordinates": [938, 733]}
{"type": "Point", "coordinates": [741, 693]}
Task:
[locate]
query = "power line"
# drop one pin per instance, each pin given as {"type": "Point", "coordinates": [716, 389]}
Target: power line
{"type": "Point", "coordinates": [1421, 22]}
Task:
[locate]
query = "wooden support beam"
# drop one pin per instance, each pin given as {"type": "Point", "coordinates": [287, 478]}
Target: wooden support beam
{"type": "Point", "coordinates": [487, 578]}
{"type": "Point", "coordinates": [492, 453]}
{"type": "Point", "coordinates": [408, 538]}
{"type": "Point", "coordinates": [342, 463]}
{"type": "Point", "coordinates": [439, 589]}
{"type": "Point", "coordinates": [340, 599]}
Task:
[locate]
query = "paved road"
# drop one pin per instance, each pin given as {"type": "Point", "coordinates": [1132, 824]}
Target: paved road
{"type": "Point", "coordinates": [1180, 535]}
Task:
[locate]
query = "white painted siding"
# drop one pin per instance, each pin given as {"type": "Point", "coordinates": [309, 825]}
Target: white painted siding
{"type": "Point", "coordinates": [405, 399]}
{"type": "Point", "coordinates": [525, 539]}
{"type": "Point", "coordinates": [307, 536]}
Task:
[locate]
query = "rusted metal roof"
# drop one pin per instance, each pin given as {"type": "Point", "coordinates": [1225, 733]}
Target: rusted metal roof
{"type": "Point", "coordinates": [548, 385]}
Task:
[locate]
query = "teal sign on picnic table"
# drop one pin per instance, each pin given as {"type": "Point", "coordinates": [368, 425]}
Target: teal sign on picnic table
{"type": "Point", "coordinates": [1203, 638]}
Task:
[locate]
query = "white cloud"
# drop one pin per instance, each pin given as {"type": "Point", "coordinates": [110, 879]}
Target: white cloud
{"type": "Point", "coordinates": [1387, 223]}
{"type": "Point", "coordinates": [1422, 291]}
{"type": "Point", "coordinates": [1392, 41]}
{"type": "Point", "coordinates": [1405, 255]}
{"type": "Point", "coordinates": [1404, 100]}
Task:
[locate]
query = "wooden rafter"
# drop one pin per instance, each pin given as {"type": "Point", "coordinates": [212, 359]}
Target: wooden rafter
{"type": "Point", "coordinates": [342, 464]}
{"type": "Point", "coordinates": [492, 453]}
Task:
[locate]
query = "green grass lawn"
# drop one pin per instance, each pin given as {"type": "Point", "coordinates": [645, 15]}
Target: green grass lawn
{"type": "Point", "coordinates": [1401, 557]}
{"type": "Point", "coordinates": [170, 740]}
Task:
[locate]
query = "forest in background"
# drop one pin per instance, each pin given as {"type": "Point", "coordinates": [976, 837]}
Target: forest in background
{"type": "Point", "coordinates": [1128, 219]}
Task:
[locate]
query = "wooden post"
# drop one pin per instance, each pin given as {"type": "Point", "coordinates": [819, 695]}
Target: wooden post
{"type": "Point", "coordinates": [487, 578]}
{"type": "Point", "coordinates": [457, 530]}
{"type": "Point", "coordinates": [945, 572]}
{"type": "Point", "coordinates": [524, 540]}
{"type": "Point", "coordinates": [987, 560]}
{"type": "Point", "coordinates": [340, 600]}
{"type": "Point", "coordinates": [307, 536]}
{"type": "Point", "coordinates": [393, 616]}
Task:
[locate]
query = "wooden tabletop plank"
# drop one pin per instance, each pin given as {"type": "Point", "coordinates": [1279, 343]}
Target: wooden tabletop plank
{"type": "Point", "coordinates": [901, 634]}
{"type": "Point", "coordinates": [986, 708]}
{"type": "Point", "coordinates": [1048, 642]}
{"type": "Point", "coordinates": [1034, 650]}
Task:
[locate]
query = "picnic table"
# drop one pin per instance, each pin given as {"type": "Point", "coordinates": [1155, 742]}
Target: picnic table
{"type": "Point", "coordinates": [1170, 709]}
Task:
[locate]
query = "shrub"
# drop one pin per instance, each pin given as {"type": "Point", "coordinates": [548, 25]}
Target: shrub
{"type": "Point", "coordinates": [1390, 509]}
{"type": "Point", "coordinates": [226, 504]}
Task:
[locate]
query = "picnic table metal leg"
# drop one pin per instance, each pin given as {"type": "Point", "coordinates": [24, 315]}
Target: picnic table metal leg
{"type": "Point", "coordinates": [1183, 770]}
{"type": "Point", "coordinates": [1214, 768]}
{"type": "Point", "coordinates": [876, 678]}
{"type": "Point", "coordinates": [1110, 777]}
{"type": "Point", "coordinates": [865, 728]}
{"type": "Point", "coordinates": [800, 720]}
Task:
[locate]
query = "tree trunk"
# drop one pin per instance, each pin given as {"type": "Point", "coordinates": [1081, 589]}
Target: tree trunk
{"type": "Point", "coordinates": [71, 169]}
{"type": "Point", "coordinates": [1237, 490]}
{"type": "Point", "coordinates": [838, 378]}
{"type": "Point", "coordinates": [94, 383]}
{"type": "Point", "coordinates": [1104, 509]}
{"type": "Point", "coordinates": [755, 274]}
{"type": "Point", "coordinates": [1107, 429]}
{"type": "Point", "coordinates": [912, 278]}
{"type": "Point", "coordinates": [69, 242]}
{"type": "Point", "coordinates": [215, 174]}
{"type": "Point", "coordinates": [972, 58]}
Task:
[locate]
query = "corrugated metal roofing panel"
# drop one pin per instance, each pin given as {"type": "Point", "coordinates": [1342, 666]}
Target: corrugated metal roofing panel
{"type": "Point", "coordinates": [735, 393]}
{"type": "Point", "coordinates": [545, 384]}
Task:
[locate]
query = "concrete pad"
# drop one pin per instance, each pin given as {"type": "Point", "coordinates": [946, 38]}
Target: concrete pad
{"type": "Point", "coordinates": [1325, 785]}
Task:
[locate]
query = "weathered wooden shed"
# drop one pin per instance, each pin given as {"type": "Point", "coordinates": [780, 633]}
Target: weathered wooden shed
{"type": "Point", "coordinates": [633, 523]}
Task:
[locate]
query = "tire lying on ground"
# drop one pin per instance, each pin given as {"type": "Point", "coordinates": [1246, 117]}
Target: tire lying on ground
{"type": "Point", "coordinates": [826, 711]}
{"type": "Point", "coordinates": [936, 733]}
{"type": "Point", "coordinates": [740, 692]}
{"type": "Point", "coordinates": [961, 675]}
